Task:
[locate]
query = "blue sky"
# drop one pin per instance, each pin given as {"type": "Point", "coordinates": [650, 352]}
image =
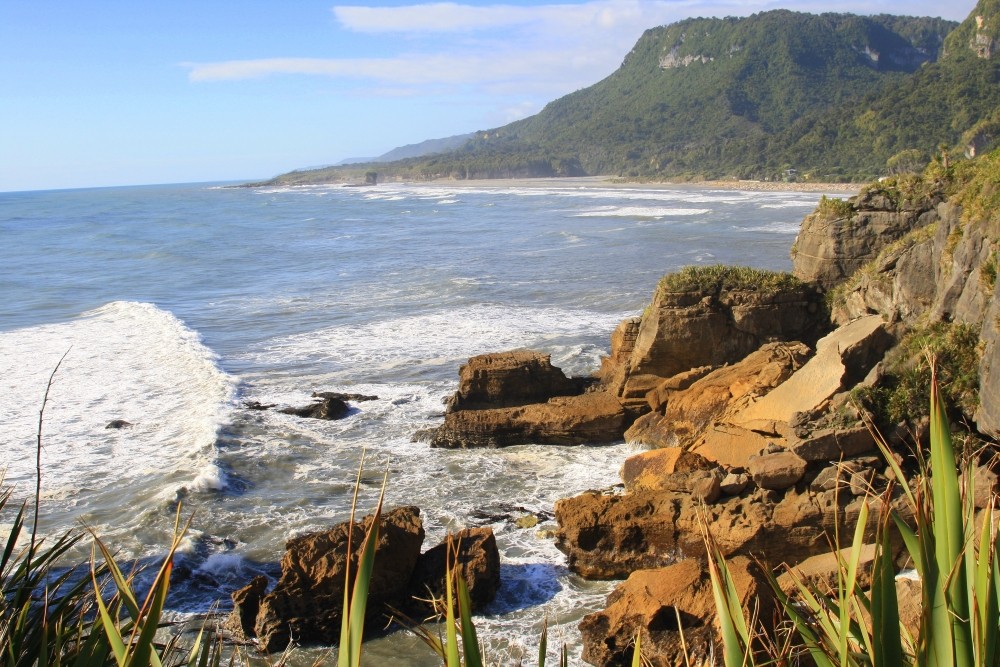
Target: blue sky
{"type": "Point", "coordinates": [120, 93]}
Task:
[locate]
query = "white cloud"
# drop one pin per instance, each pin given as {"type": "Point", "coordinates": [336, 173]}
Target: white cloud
{"type": "Point", "coordinates": [552, 48]}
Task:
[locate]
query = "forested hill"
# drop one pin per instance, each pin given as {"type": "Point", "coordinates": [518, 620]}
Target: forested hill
{"type": "Point", "coordinates": [775, 95]}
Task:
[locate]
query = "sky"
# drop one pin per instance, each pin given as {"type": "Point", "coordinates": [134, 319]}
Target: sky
{"type": "Point", "coordinates": [115, 92]}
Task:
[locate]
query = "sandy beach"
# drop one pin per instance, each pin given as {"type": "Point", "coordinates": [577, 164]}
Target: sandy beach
{"type": "Point", "coordinates": [615, 182]}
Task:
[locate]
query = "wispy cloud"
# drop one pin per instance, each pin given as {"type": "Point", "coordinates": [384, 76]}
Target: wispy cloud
{"type": "Point", "coordinates": [550, 48]}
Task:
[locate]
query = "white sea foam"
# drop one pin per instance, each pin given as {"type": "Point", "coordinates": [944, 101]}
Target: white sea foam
{"type": "Point", "coordinates": [436, 339]}
{"type": "Point", "coordinates": [640, 212]}
{"type": "Point", "coordinates": [125, 360]}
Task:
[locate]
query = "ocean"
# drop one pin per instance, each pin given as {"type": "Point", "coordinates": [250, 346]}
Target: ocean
{"type": "Point", "coordinates": [172, 306]}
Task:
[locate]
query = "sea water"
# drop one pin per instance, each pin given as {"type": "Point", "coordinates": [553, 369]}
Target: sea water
{"type": "Point", "coordinates": [172, 307]}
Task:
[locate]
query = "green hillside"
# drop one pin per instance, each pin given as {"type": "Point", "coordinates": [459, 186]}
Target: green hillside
{"type": "Point", "coordinates": [775, 95]}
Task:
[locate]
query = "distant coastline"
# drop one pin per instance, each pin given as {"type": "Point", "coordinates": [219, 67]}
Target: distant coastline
{"type": "Point", "coordinates": [615, 182]}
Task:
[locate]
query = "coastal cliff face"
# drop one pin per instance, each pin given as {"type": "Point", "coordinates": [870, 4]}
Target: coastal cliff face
{"type": "Point", "coordinates": [765, 440]}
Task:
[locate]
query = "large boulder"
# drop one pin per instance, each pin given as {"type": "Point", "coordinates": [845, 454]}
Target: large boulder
{"type": "Point", "coordinates": [594, 417]}
{"type": "Point", "coordinates": [673, 612]}
{"type": "Point", "coordinates": [658, 469]}
{"type": "Point", "coordinates": [682, 415]}
{"type": "Point", "coordinates": [505, 379]}
{"type": "Point", "coordinates": [842, 359]}
{"type": "Point", "coordinates": [473, 552]}
{"type": "Point", "coordinates": [306, 604]}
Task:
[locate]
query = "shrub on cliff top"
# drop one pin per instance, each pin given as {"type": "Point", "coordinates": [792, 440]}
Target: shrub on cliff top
{"type": "Point", "coordinates": [716, 278]}
{"type": "Point", "coordinates": [905, 391]}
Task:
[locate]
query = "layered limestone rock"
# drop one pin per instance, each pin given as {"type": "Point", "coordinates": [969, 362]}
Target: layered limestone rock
{"type": "Point", "coordinates": [685, 330]}
{"type": "Point", "coordinates": [504, 379]}
{"type": "Point", "coordinates": [836, 241]}
{"type": "Point", "coordinates": [681, 415]}
{"type": "Point", "coordinates": [610, 536]}
{"type": "Point", "coordinates": [595, 417]}
{"type": "Point", "coordinates": [519, 397]}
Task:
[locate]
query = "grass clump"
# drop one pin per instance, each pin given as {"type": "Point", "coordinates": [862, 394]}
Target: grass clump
{"type": "Point", "coordinates": [835, 207]}
{"type": "Point", "coordinates": [717, 278]}
{"type": "Point", "coordinates": [904, 392]}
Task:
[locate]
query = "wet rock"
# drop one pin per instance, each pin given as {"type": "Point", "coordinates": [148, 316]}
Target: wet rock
{"type": "Point", "coordinates": [477, 560]}
{"type": "Point", "coordinates": [257, 405]}
{"type": "Point", "coordinates": [246, 605]}
{"type": "Point", "coordinates": [357, 398]}
{"type": "Point", "coordinates": [526, 521]}
{"type": "Point", "coordinates": [118, 424]}
{"type": "Point", "coordinates": [328, 408]}
{"type": "Point", "coordinates": [307, 601]}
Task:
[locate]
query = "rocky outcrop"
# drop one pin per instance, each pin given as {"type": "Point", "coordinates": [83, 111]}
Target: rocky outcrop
{"type": "Point", "coordinates": [610, 536]}
{"type": "Point", "coordinates": [835, 241]}
{"type": "Point", "coordinates": [306, 603]}
{"type": "Point", "coordinates": [518, 397]}
{"type": "Point", "coordinates": [595, 417]}
{"type": "Point", "coordinates": [685, 330]}
{"type": "Point", "coordinates": [680, 416]}
{"type": "Point", "coordinates": [328, 408]}
{"type": "Point", "coordinates": [505, 379]}
{"type": "Point", "coordinates": [659, 606]}
{"type": "Point", "coordinates": [473, 553]}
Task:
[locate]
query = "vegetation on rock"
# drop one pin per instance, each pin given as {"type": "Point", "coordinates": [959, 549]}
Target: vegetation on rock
{"type": "Point", "coordinates": [716, 278]}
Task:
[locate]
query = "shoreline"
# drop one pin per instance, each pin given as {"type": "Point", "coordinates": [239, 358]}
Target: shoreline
{"type": "Point", "coordinates": [615, 182]}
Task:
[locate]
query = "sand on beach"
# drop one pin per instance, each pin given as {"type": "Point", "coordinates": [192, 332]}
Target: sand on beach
{"type": "Point", "coordinates": [614, 182]}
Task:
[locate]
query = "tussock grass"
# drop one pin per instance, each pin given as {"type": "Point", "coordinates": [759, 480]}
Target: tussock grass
{"type": "Point", "coordinates": [715, 278]}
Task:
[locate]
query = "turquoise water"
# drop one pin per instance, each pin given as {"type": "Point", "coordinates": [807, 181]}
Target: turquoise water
{"type": "Point", "coordinates": [175, 304]}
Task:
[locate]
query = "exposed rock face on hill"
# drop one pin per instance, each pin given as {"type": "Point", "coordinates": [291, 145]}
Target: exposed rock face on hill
{"type": "Point", "coordinates": [833, 244]}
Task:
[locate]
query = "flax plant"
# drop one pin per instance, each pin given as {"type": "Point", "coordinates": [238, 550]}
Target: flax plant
{"type": "Point", "coordinates": [957, 563]}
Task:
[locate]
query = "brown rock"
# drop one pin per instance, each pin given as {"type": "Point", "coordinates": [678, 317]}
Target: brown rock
{"type": "Point", "coordinates": [659, 605]}
{"type": "Point", "coordinates": [685, 330]}
{"type": "Point", "coordinates": [706, 486]}
{"type": "Point", "coordinates": [833, 444]}
{"type": "Point", "coordinates": [506, 379]}
{"type": "Point", "coordinates": [842, 358]}
{"type": "Point", "coordinates": [984, 487]}
{"type": "Point", "coordinates": [733, 484]}
{"type": "Point", "coordinates": [594, 417]}
{"type": "Point", "coordinates": [307, 601]}
{"type": "Point", "coordinates": [246, 604]}
{"type": "Point", "coordinates": [647, 470]}
{"type": "Point", "coordinates": [822, 570]}
{"type": "Point", "coordinates": [689, 413]}
{"type": "Point", "coordinates": [609, 536]}
{"type": "Point", "coordinates": [776, 471]}
{"type": "Point", "coordinates": [478, 561]}
{"type": "Point", "coordinates": [329, 408]}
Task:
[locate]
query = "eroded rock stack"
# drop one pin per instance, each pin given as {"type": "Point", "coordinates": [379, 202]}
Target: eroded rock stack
{"type": "Point", "coordinates": [306, 603]}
